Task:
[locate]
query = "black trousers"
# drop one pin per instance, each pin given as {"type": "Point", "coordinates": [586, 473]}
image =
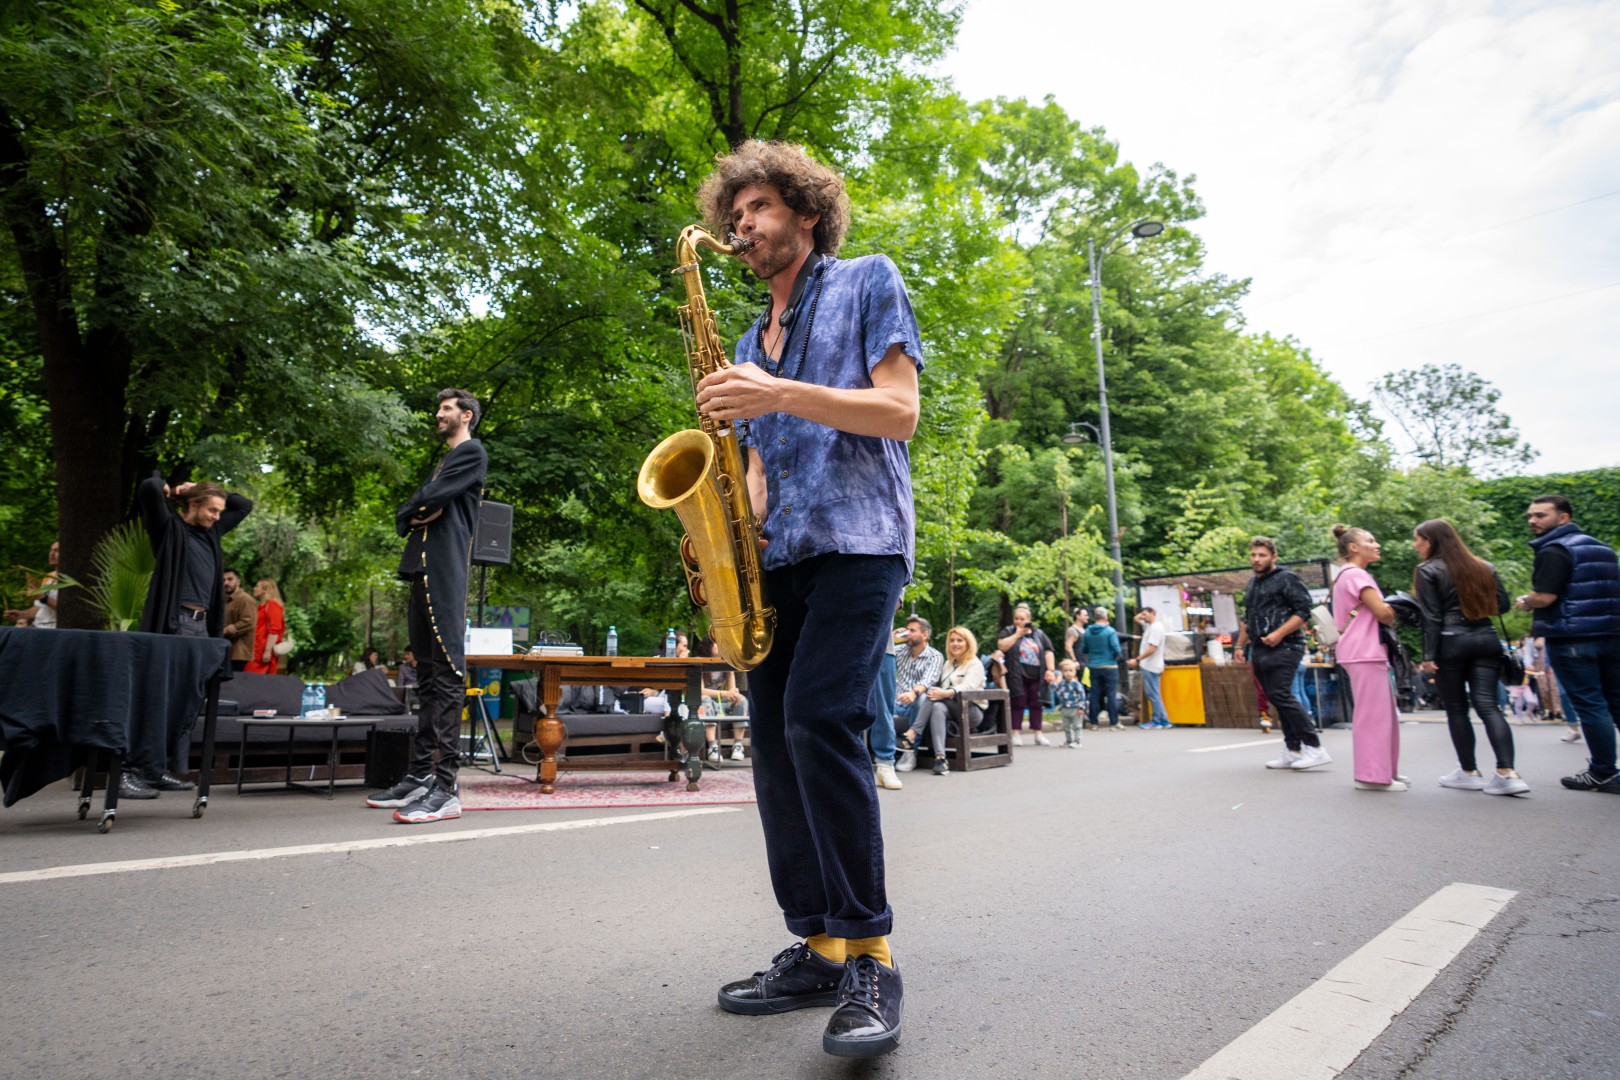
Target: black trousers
{"type": "Point", "coordinates": [1275, 669]}
{"type": "Point", "coordinates": [441, 692]}
{"type": "Point", "coordinates": [813, 698]}
{"type": "Point", "coordinates": [1470, 664]}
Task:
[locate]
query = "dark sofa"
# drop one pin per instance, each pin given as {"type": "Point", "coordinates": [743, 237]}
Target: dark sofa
{"type": "Point", "coordinates": [365, 695]}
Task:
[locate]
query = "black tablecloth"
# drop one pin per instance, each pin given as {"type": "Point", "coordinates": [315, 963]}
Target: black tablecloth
{"type": "Point", "coordinates": [66, 692]}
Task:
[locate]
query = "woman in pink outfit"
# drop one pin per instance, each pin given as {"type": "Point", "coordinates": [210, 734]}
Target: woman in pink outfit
{"type": "Point", "coordinates": [1358, 608]}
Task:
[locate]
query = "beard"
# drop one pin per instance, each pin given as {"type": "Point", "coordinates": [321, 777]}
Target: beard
{"type": "Point", "coordinates": [776, 255]}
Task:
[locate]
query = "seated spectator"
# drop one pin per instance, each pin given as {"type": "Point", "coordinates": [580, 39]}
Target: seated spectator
{"type": "Point", "coordinates": [941, 703]}
{"type": "Point", "coordinates": [41, 611]}
{"type": "Point", "coordinates": [369, 659]}
{"type": "Point", "coordinates": [406, 675]}
{"type": "Point", "coordinates": [720, 698]}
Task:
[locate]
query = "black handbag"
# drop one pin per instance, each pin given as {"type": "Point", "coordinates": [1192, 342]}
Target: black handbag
{"type": "Point", "coordinates": [1512, 664]}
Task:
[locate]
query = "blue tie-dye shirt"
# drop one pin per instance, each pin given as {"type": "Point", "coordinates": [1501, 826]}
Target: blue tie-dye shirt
{"type": "Point", "coordinates": [830, 490]}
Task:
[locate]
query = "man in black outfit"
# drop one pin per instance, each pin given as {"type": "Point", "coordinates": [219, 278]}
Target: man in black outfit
{"type": "Point", "coordinates": [1276, 606]}
{"type": "Point", "coordinates": [186, 596]}
{"type": "Point", "coordinates": [438, 524]}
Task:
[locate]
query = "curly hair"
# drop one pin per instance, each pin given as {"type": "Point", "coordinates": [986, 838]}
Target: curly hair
{"type": "Point", "coordinates": [806, 186]}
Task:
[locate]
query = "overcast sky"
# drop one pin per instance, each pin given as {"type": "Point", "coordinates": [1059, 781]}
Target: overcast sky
{"type": "Point", "coordinates": [1405, 182]}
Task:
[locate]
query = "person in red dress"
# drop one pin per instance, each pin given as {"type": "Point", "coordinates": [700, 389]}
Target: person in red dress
{"type": "Point", "coordinates": [271, 629]}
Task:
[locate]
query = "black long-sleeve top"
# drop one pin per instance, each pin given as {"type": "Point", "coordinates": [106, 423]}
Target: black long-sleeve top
{"type": "Point", "coordinates": [441, 550]}
{"type": "Point", "coordinates": [161, 615]}
{"type": "Point", "coordinates": [1271, 600]}
{"type": "Point", "coordinates": [1442, 610]}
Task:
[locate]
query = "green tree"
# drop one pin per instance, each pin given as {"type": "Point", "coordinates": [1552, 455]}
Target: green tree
{"type": "Point", "coordinates": [1450, 418]}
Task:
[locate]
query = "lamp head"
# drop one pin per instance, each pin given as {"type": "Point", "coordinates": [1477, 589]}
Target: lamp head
{"type": "Point", "coordinates": [1144, 229]}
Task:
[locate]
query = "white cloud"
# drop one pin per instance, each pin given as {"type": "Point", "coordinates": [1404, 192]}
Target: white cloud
{"type": "Point", "coordinates": [1395, 177]}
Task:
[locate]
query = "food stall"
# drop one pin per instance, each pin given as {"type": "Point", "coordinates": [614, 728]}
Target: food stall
{"type": "Point", "coordinates": [1204, 681]}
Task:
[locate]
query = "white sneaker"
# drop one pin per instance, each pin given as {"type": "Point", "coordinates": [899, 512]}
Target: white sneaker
{"type": "Point", "coordinates": [906, 762]}
{"type": "Point", "coordinates": [736, 751]}
{"type": "Point", "coordinates": [887, 779]}
{"type": "Point", "coordinates": [1041, 739]}
{"type": "Point", "coordinates": [1018, 740]}
{"type": "Point", "coordinates": [1075, 745]}
{"type": "Point", "coordinates": [1362, 785]}
{"type": "Point", "coordinates": [1463, 781]}
{"type": "Point", "coordinates": [1572, 735]}
{"type": "Point", "coordinates": [1310, 757]}
{"type": "Point", "coordinates": [1286, 761]}
{"type": "Point", "coordinates": [1505, 785]}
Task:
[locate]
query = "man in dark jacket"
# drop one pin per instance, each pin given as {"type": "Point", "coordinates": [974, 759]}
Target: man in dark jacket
{"type": "Point", "coordinates": [438, 523]}
{"type": "Point", "coordinates": [186, 595]}
{"type": "Point", "coordinates": [1575, 594]}
{"type": "Point", "coordinates": [1276, 607]}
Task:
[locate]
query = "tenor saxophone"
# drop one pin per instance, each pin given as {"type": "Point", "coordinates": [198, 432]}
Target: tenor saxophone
{"type": "Point", "coordinates": [699, 474]}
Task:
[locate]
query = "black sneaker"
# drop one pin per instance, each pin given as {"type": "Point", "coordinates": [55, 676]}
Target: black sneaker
{"type": "Point", "coordinates": [131, 786]}
{"type": "Point", "coordinates": [403, 793]}
{"type": "Point", "coordinates": [799, 978]}
{"type": "Point", "coordinates": [940, 768]}
{"type": "Point", "coordinates": [1586, 781]}
{"type": "Point", "coordinates": [866, 1022]}
{"type": "Point", "coordinates": [439, 804]}
{"type": "Point", "coordinates": [170, 782]}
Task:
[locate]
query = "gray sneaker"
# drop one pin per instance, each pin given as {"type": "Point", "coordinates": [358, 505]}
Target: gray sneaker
{"type": "Point", "coordinates": [403, 793]}
{"type": "Point", "coordinates": [439, 804]}
{"type": "Point", "coordinates": [1462, 781]}
{"type": "Point", "coordinates": [1505, 785]}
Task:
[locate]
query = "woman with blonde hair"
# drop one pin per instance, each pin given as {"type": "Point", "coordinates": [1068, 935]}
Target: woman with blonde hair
{"type": "Point", "coordinates": [963, 671]}
{"type": "Point", "coordinates": [1358, 609]}
{"type": "Point", "coordinates": [270, 630]}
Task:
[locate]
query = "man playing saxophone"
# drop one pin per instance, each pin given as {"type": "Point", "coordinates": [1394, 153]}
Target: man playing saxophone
{"type": "Point", "coordinates": [826, 379]}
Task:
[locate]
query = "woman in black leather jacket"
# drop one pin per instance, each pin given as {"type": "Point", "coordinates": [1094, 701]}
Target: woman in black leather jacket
{"type": "Point", "coordinates": [1458, 593]}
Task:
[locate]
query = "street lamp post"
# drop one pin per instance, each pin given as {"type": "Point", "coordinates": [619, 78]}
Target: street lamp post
{"type": "Point", "coordinates": [1140, 230]}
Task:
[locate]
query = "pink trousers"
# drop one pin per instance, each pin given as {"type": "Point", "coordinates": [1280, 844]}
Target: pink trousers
{"type": "Point", "coordinates": [1375, 731]}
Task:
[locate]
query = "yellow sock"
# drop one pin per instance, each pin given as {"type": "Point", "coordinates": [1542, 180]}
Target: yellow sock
{"type": "Point", "coordinates": [875, 947]}
{"type": "Point", "coordinates": [831, 949]}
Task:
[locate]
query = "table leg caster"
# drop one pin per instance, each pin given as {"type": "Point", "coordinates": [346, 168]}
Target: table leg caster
{"type": "Point", "coordinates": [106, 824]}
{"type": "Point", "coordinates": [672, 776]}
{"type": "Point", "coordinates": [692, 785]}
{"type": "Point", "coordinates": [84, 809]}
{"type": "Point", "coordinates": [199, 806]}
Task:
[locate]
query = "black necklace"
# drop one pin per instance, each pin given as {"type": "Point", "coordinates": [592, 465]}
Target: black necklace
{"type": "Point", "coordinates": [775, 367]}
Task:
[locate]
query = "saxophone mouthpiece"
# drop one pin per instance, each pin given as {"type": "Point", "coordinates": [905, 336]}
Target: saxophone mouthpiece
{"type": "Point", "coordinates": [741, 245]}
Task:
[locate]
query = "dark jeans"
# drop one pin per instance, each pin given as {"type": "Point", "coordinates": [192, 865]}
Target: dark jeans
{"type": "Point", "coordinates": [1104, 695]}
{"type": "Point", "coordinates": [440, 691]}
{"type": "Point", "coordinates": [1589, 671]}
{"type": "Point", "coordinates": [1470, 666]}
{"type": "Point", "coordinates": [1275, 669]}
{"type": "Point", "coordinates": [813, 698]}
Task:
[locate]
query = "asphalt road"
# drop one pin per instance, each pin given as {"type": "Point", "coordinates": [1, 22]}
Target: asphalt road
{"type": "Point", "coordinates": [1125, 910]}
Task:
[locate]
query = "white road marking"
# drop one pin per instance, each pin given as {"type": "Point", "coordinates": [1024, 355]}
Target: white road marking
{"type": "Point", "coordinates": [1262, 741]}
{"type": "Point", "coordinates": [1327, 1026]}
{"type": "Point", "coordinates": [404, 839]}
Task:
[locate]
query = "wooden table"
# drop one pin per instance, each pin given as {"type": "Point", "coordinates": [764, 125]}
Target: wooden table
{"type": "Point", "coordinates": [680, 677]}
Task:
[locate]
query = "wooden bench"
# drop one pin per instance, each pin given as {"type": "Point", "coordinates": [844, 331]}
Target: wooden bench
{"type": "Point", "coordinates": [990, 750]}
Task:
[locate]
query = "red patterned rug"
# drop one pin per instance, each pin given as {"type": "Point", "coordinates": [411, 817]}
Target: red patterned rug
{"type": "Point", "coordinates": [601, 790]}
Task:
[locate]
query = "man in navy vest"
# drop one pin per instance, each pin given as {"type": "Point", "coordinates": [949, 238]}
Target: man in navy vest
{"type": "Point", "coordinates": [1576, 599]}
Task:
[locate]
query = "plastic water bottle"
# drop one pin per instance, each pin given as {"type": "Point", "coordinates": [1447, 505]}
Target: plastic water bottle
{"type": "Point", "coordinates": [307, 704]}
{"type": "Point", "coordinates": [613, 641]}
{"type": "Point", "coordinates": [319, 693]}
{"type": "Point", "coordinates": [669, 642]}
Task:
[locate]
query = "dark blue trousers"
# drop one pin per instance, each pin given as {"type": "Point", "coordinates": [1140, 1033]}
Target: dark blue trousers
{"type": "Point", "coordinates": [813, 698]}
